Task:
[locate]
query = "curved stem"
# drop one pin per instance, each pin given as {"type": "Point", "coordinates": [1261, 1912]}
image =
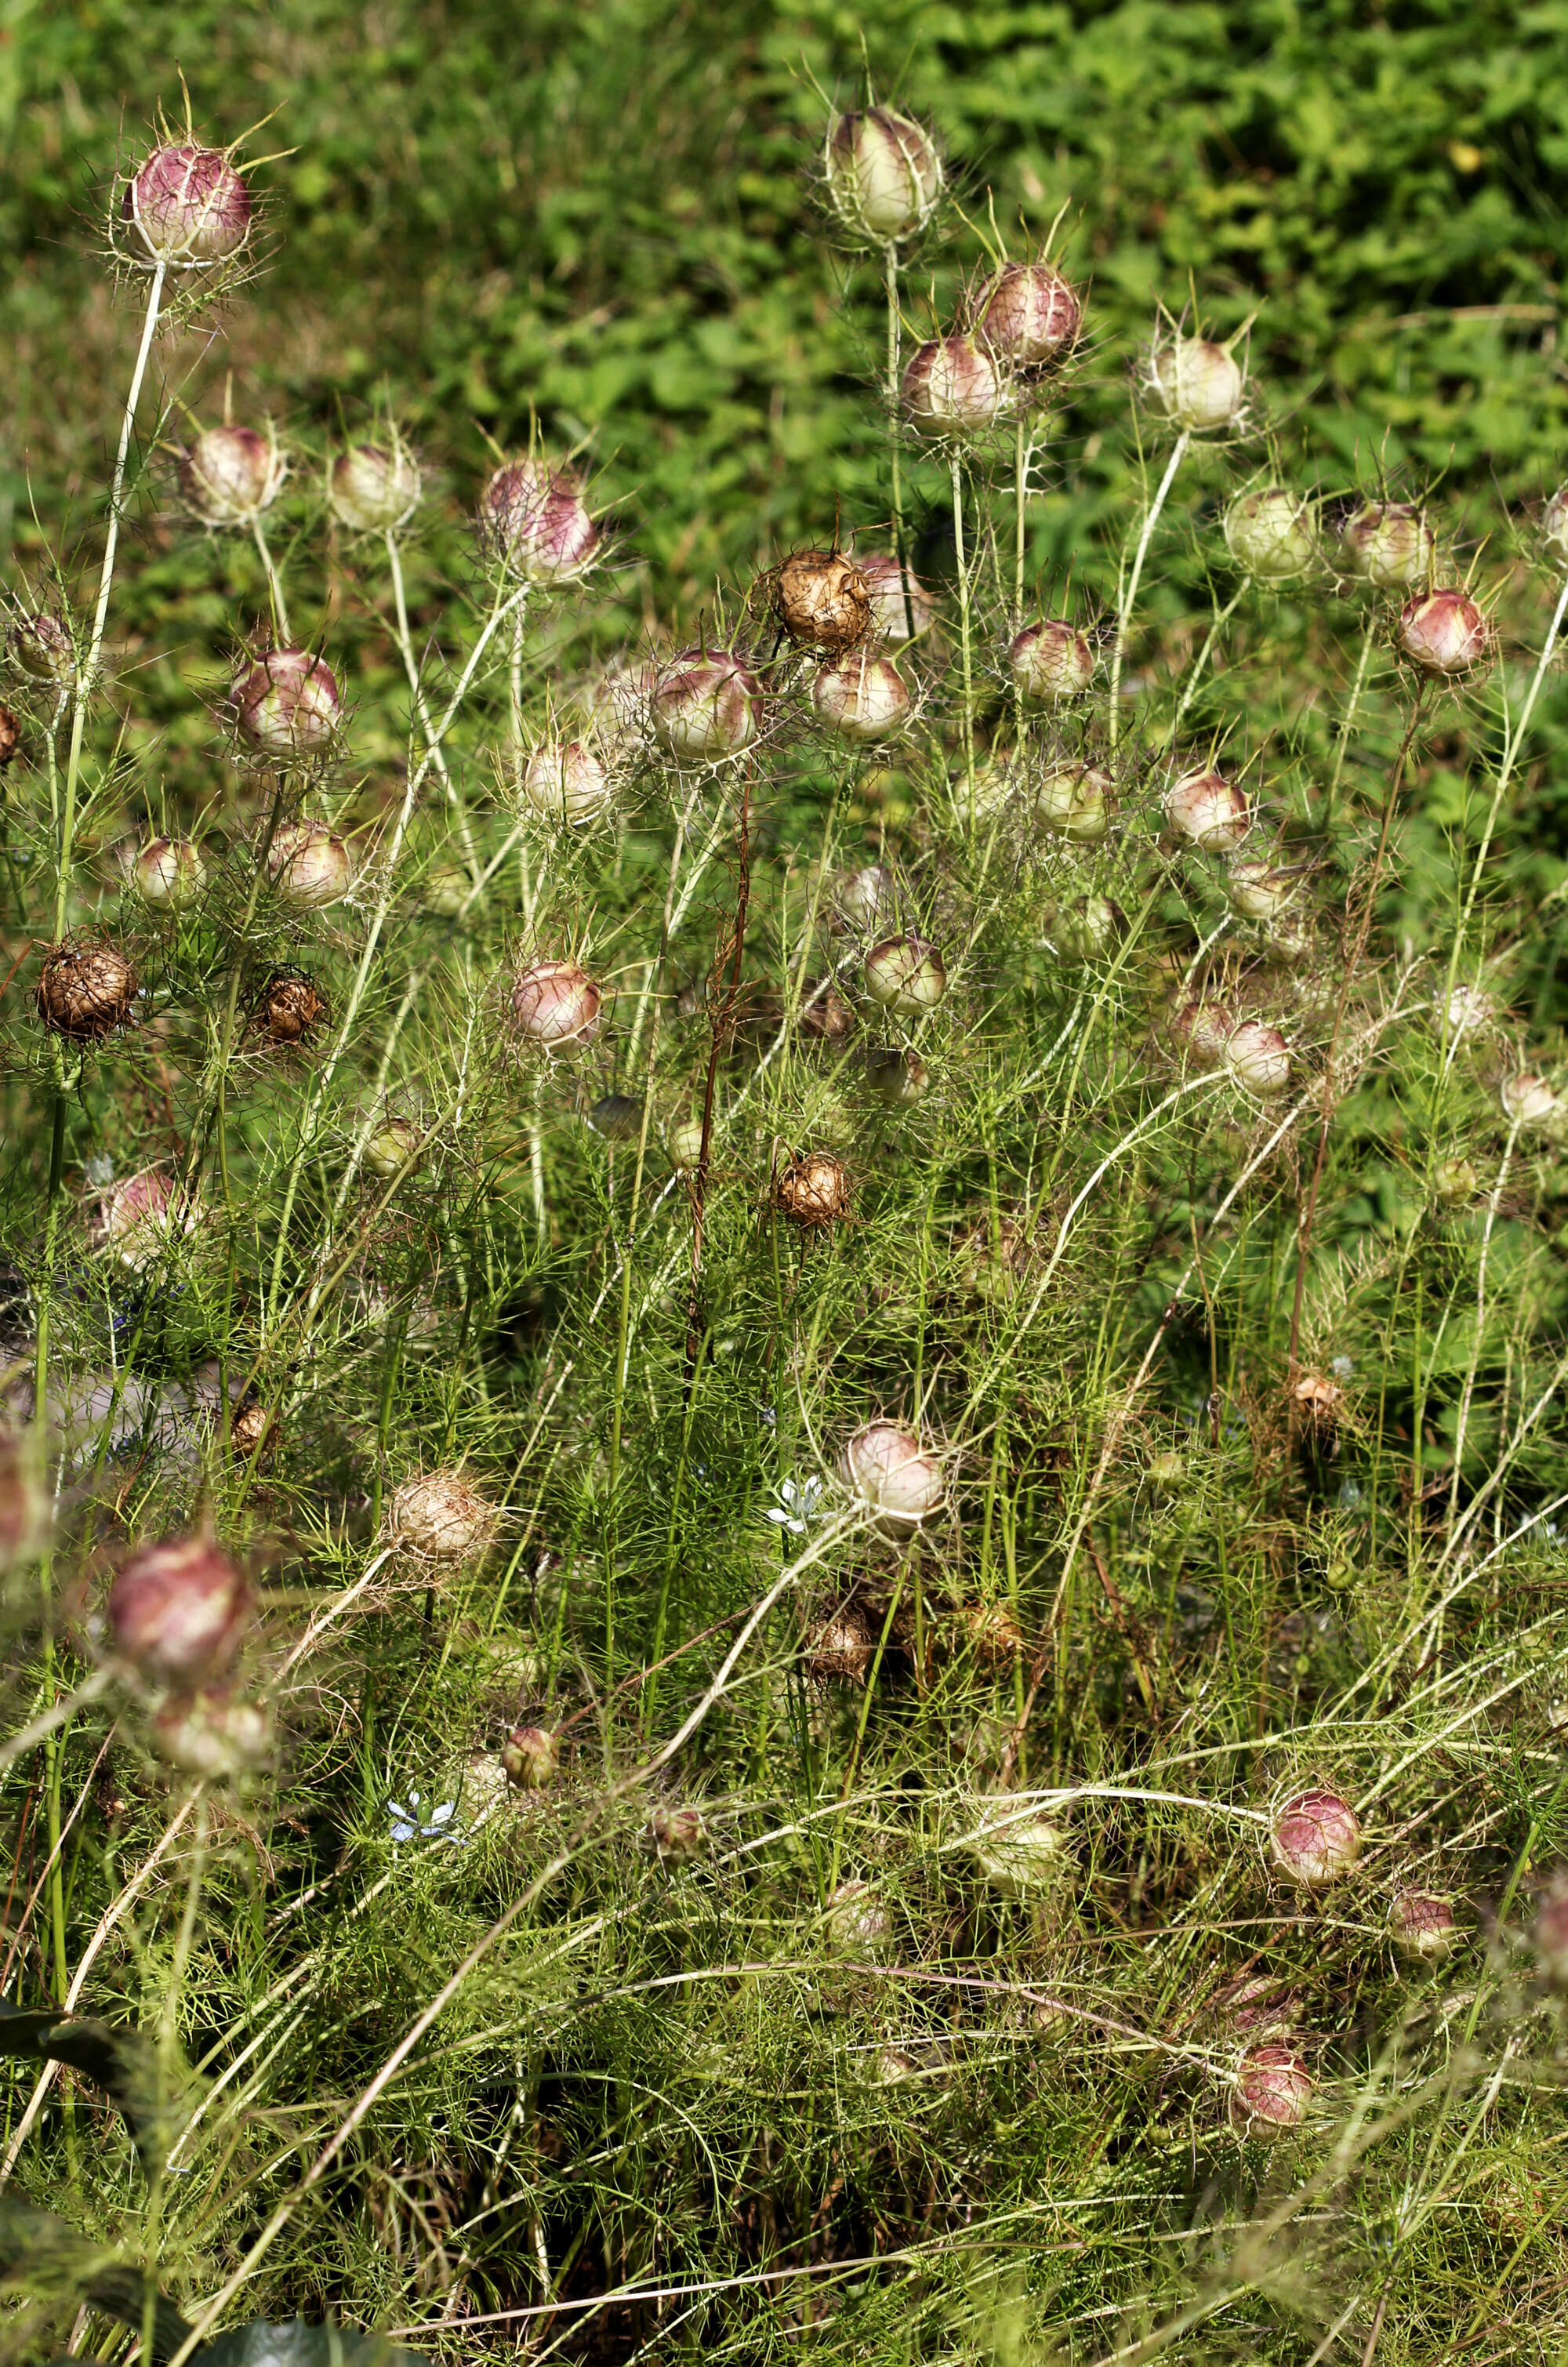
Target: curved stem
{"type": "Point", "coordinates": [1127, 605]}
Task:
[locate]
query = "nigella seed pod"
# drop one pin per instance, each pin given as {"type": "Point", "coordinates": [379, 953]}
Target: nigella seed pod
{"type": "Point", "coordinates": [10, 737]}
{"type": "Point", "coordinates": [43, 648]}
{"type": "Point", "coordinates": [1316, 1838]}
{"type": "Point", "coordinates": [822, 599]}
{"type": "Point", "coordinates": [1530, 1102]}
{"type": "Point", "coordinates": [1197, 383]}
{"type": "Point", "coordinates": [1273, 2092]}
{"type": "Point", "coordinates": [1018, 1856]}
{"type": "Point", "coordinates": [884, 174]}
{"type": "Point", "coordinates": [905, 975]}
{"type": "Point", "coordinates": [814, 1190]}
{"type": "Point", "coordinates": [678, 1832]}
{"type": "Point", "coordinates": [1088, 930]}
{"type": "Point", "coordinates": [705, 705]}
{"type": "Point", "coordinates": [901, 607]}
{"type": "Point", "coordinates": [1208, 811]}
{"type": "Point", "coordinates": [684, 1143]}
{"type": "Point", "coordinates": [391, 1147]}
{"type": "Point", "coordinates": [1469, 1009]}
{"type": "Point", "coordinates": [213, 1733]}
{"type": "Point", "coordinates": [1202, 1030]}
{"type": "Point", "coordinates": [178, 1611]}
{"type": "Point", "coordinates": [291, 1007]}
{"type": "Point", "coordinates": [953, 388]}
{"type": "Point", "coordinates": [1259, 892]}
{"type": "Point", "coordinates": [556, 1004]}
{"type": "Point", "coordinates": [1455, 1182]}
{"type": "Point", "coordinates": [230, 474]}
{"type": "Point", "coordinates": [893, 1476]}
{"type": "Point", "coordinates": [1389, 544]}
{"type": "Point", "coordinates": [839, 1648]}
{"type": "Point", "coordinates": [538, 523]}
{"type": "Point", "coordinates": [85, 992]}
{"type": "Point", "coordinates": [140, 1217]}
{"type": "Point", "coordinates": [862, 699]}
{"type": "Point", "coordinates": [564, 781]}
{"type": "Point", "coordinates": [898, 1079]}
{"type": "Point", "coordinates": [372, 489]}
{"type": "Point", "coordinates": [531, 1756]}
{"type": "Point", "coordinates": [1554, 526]}
{"type": "Point", "coordinates": [254, 1432]}
{"type": "Point", "coordinates": [857, 1921]}
{"type": "Point", "coordinates": [866, 898]}
{"type": "Point", "coordinates": [1050, 661]}
{"type": "Point", "coordinates": [169, 872]}
{"type": "Point", "coordinates": [288, 704]}
{"type": "Point", "coordinates": [441, 1518]}
{"type": "Point", "coordinates": [1029, 315]}
{"type": "Point", "coordinates": [1072, 801]}
{"type": "Point", "coordinates": [825, 1016]}
{"type": "Point", "coordinates": [308, 866]}
{"type": "Point", "coordinates": [1444, 633]}
{"type": "Point", "coordinates": [190, 206]}
{"type": "Point", "coordinates": [1422, 1926]}
{"type": "Point", "coordinates": [616, 1117]}
{"type": "Point", "coordinates": [1258, 1058]}
{"type": "Point", "coordinates": [1273, 533]}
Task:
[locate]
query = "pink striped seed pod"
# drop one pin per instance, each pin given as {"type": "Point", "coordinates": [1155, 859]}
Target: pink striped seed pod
{"type": "Point", "coordinates": [905, 975]}
{"type": "Point", "coordinates": [1050, 661]}
{"type": "Point", "coordinates": [1258, 1058]}
{"type": "Point", "coordinates": [862, 699]}
{"type": "Point", "coordinates": [178, 1611]}
{"type": "Point", "coordinates": [1259, 892]}
{"type": "Point", "coordinates": [169, 873]}
{"type": "Point", "coordinates": [901, 607]}
{"type": "Point", "coordinates": [1316, 1838]}
{"type": "Point", "coordinates": [229, 475]}
{"type": "Point", "coordinates": [1389, 545]}
{"type": "Point", "coordinates": [886, 1467]}
{"type": "Point", "coordinates": [531, 1756]}
{"type": "Point", "coordinates": [899, 1079]}
{"type": "Point", "coordinates": [1198, 384]}
{"type": "Point", "coordinates": [139, 1219]}
{"type": "Point", "coordinates": [536, 521]}
{"type": "Point", "coordinates": [1029, 315]}
{"type": "Point", "coordinates": [1445, 633]}
{"type": "Point", "coordinates": [1273, 533]}
{"type": "Point", "coordinates": [678, 1832]}
{"type": "Point", "coordinates": [556, 1005]}
{"type": "Point", "coordinates": [1422, 1926]}
{"type": "Point", "coordinates": [42, 647]}
{"type": "Point", "coordinates": [374, 488]}
{"type": "Point", "coordinates": [288, 704]}
{"type": "Point", "coordinates": [953, 389]}
{"type": "Point", "coordinates": [1273, 2092]}
{"type": "Point", "coordinates": [564, 780]}
{"type": "Point", "coordinates": [1208, 811]}
{"type": "Point", "coordinates": [884, 175]}
{"type": "Point", "coordinates": [308, 866]}
{"type": "Point", "coordinates": [1201, 1031]}
{"type": "Point", "coordinates": [1530, 1102]}
{"type": "Point", "coordinates": [705, 705]}
{"type": "Point", "coordinates": [1073, 802]}
{"type": "Point", "coordinates": [190, 205]}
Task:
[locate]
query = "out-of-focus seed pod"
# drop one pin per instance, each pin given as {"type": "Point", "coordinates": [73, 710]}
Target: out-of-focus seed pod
{"type": "Point", "coordinates": [1258, 1058]}
{"type": "Point", "coordinates": [1259, 892]}
{"type": "Point", "coordinates": [1208, 811]}
{"type": "Point", "coordinates": [905, 975]}
{"type": "Point", "coordinates": [990, 788]}
{"type": "Point", "coordinates": [684, 1143]}
{"type": "Point", "coordinates": [1273, 2092]}
{"type": "Point", "coordinates": [1530, 1102]}
{"type": "Point", "coordinates": [1273, 533]}
{"type": "Point", "coordinates": [1073, 802]}
{"type": "Point", "coordinates": [678, 1833]}
{"type": "Point", "coordinates": [142, 1216]}
{"type": "Point", "coordinates": [1423, 1926]}
{"type": "Point", "coordinates": [443, 1518]}
{"type": "Point", "coordinates": [308, 867]}
{"type": "Point", "coordinates": [616, 1117]}
{"type": "Point", "coordinates": [857, 1921]}
{"type": "Point", "coordinates": [531, 1756]}
{"type": "Point", "coordinates": [814, 1190]}
{"type": "Point", "coordinates": [556, 1004]}
{"type": "Point", "coordinates": [85, 992]}
{"type": "Point", "coordinates": [889, 1470]}
{"type": "Point", "coordinates": [1202, 1030]}
{"type": "Point", "coordinates": [862, 698]}
{"type": "Point", "coordinates": [1444, 633]}
{"type": "Point", "coordinates": [1088, 930]}
{"type": "Point", "coordinates": [169, 873]}
{"type": "Point", "coordinates": [42, 647]}
{"type": "Point", "coordinates": [291, 1007]}
{"type": "Point", "coordinates": [897, 1078]}
{"type": "Point", "coordinates": [1316, 1838]}
{"type": "Point", "coordinates": [26, 1509]}
{"type": "Point", "coordinates": [901, 607]}
{"type": "Point", "coordinates": [288, 704]}
{"type": "Point", "coordinates": [537, 522]}
{"type": "Point", "coordinates": [1389, 544]}
{"type": "Point", "coordinates": [391, 1147]}
{"type": "Point", "coordinates": [822, 599]}
{"type": "Point", "coordinates": [866, 898]}
{"type": "Point", "coordinates": [229, 474]}
{"type": "Point", "coordinates": [254, 1432]}
{"type": "Point", "coordinates": [1028, 314]}
{"type": "Point", "coordinates": [178, 1611]}
{"type": "Point", "coordinates": [1554, 527]}
{"type": "Point", "coordinates": [565, 781]}
{"type": "Point", "coordinates": [884, 175]}
{"type": "Point", "coordinates": [190, 206]}
{"type": "Point", "coordinates": [704, 706]}
{"type": "Point", "coordinates": [212, 1733]}
{"type": "Point", "coordinates": [1050, 661]}
{"type": "Point", "coordinates": [10, 737]}
{"type": "Point", "coordinates": [1020, 1856]}
{"type": "Point", "coordinates": [840, 1648]}
{"type": "Point", "coordinates": [1468, 1010]}
{"type": "Point", "coordinates": [1197, 383]}
{"type": "Point", "coordinates": [1167, 1472]}
{"type": "Point", "coordinates": [953, 389]}
{"type": "Point", "coordinates": [1454, 1182]}
{"type": "Point", "coordinates": [990, 1632]}
{"type": "Point", "coordinates": [373, 488]}
{"type": "Point", "coordinates": [825, 1016]}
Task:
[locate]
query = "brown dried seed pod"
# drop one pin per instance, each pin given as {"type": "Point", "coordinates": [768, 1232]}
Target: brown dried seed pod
{"type": "Point", "coordinates": [10, 736]}
{"type": "Point", "coordinates": [840, 1648]}
{"type": "Point", "coordinates": [292, 1006]}
{"type": "Point", "coordinates": [252, 1432]}
{"type": "Point", "coordinates": [824, 1015]}
{"type": "Point", "coordinates": [814, 1190]}
{"type": "Point", "coordinates": [86, 992]}
{"type": "Point", "coordinates": [990, 1632]}
{"type": "Point", "coordinates": [822, 599]}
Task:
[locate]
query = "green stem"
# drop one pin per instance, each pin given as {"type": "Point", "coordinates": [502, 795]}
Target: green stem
{"type": "Point", "coordinates": [1357, 687]}
{"type": "Point", "coordinates": [967, 653]}
{"type": "Point", "coordinates": [281, 634]}
{"type": "Point", "coordinates": [890, 283]}
{"type": "Point", "coordinates": [1129, 603]}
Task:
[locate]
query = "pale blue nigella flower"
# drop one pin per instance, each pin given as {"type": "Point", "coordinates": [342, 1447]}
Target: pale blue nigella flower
{"type": "Point", "coordinates": [797, 1507]}
{"type": "Point", "coordinates": [406, 1826]}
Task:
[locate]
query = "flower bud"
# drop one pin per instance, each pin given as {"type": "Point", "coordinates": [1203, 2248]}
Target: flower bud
{"type": "Point", "coordinates": [1258, 1058]}
{"type": "Point", "coordinates": [291, 1007]}
{"type": "Point", "coordinates": [906, 974]}
{"type": "Point", "coordinates": [1019, 1855]}
{"type": "Point", "coordinates": [1071, 801]}
{"type": "Point", "coordinates": [822, 599]}
{"type": "Point", "coordinates": [1272, 2092]}
{"type": "Point", "coordinates": [901, 607]}
{"type": "Point", "coordinates": [704, 708]}
{"type": "Point", "coordinates": [857, 1921]}
{"type": "Point", "coordinates": [372, 490]}
{"type": "Point", "coordinates": [178, 1610]}
{"type": "Point", "coordinates": [1197, 383]}
{"type": "Point", "coordinates": [813, 1191]}
{"type": "Point", "coordinates": [1050, 661]}
{"type": "Point", "coordinates": [85, 992]}
{"type": "Point", "coordinates": [42, 647]}
{"type": "Point", "coordinates": [1528, 1101]}
{"type": "Point", "coordinates": [139, 1217]}
{"type": "Point", "coordinates": [1259, 892]}
{"type": "Point", "coordinates": [1273, 533]}
{"type": "Point", "coordinates": [308, 866]}
{"type": "Point", "coordinates": [531, 1756]}
{"type": "Point", "coordinates": [886, 1467]}
{"type": "Point", "coordinates": [1422, 1926]}
{"type": "Point", "coordinates": [1554, 526]}
{"type": "Point", "coordinates": [884, 174]}
{"type": "Point", "coordinates": [866, 898]}
{"type": "Point", "coordinates": [288, 704]}
{"type": "Point", "coordinates": [953, 388]}
{"type": "Point", "coordinates": [538, 523]}
{"type": "Point", "coordinates": [441, 1518]}
{"type": "Point", "coordinates": [1469, 1009]}
{"type": "Point", "coordinates": [1316, 1838]}
{"type": "Point", "coordinates": [1208, 811]}
{"type": "Point", "coordinates": [678, 1832]}
{"type": "Point", "coordinates": [212, 1733]}
{"type": "Point", "coordinates": [190, 206]}
{"type": "Point", "coordinates": [1085, 931]}
{"type": "Point", "coordinates": [899, 1079]}
{"type": "Point", "coordinates": [1202, 1030]}
{"type": "Point", "coordinates": [230, 474]}
{"type": "Point", "coordinates": [169, 873]}
{"type": "Point", "coordinates": [862, 698]}
{"type": "Point", "coordinates": [618, 1117]}
{"type": "Point", "coordinates": [555, 1003]}
{"type": "Point", "coordinates": [565, 781]}
{"type": "Point", "coordinates": [1029, 315]}
{"type": "Point", "coordinates": [391, 1147]}
{"type": "Point", "coordinates": [1389, 544]}
{"type": "Point", "coordinates": [1444, 632]}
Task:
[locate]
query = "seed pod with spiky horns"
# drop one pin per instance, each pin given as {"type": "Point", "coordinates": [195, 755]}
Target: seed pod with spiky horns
{"type": "Point", "coordinates": [884, 175]}
{"type": "Point", "coordinates": [288, 704]}
{"type": "Point", "coordinates": [178, 1610]}
{"type": "Point", "coordinates": [374, 488]}
{"type": "Point", "coordinates": [1050, 661]}
{"type": "Point", "coordinates": [86, 992]}
{"type": "Point", "coordinates": [1197, 383]}
{"type": "Point", "coordinates": [1272, 2092]}
{"type": "Point", "coordinates": [953, 388]}
{"type": "Point", "coordinates": [229, 474]}
{"type": "Point", "coordinates": [555, 1004]}
{"type": "Point", "coordinates": [190, 205]}
{"type": "Point", "coordinates": [441, 1518]}
{"type": "Point", "coordinates": [1028, 314]}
